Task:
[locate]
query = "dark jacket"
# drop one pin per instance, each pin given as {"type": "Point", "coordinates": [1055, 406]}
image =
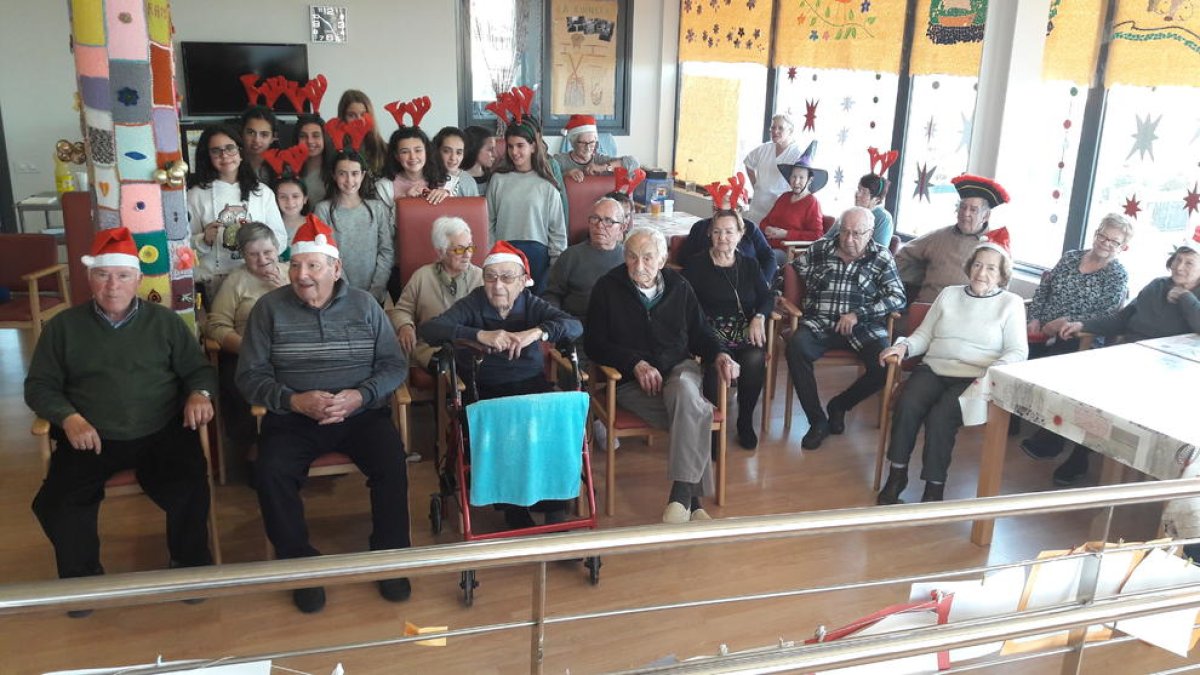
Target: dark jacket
{"type": "Point", "coordinates": [753, 245]}
{"type": "Point", "coordinates": [621, 331]}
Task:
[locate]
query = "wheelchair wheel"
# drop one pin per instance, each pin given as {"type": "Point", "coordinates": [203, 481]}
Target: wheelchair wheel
{"type": "Point", "coordinates": [435, 514]}
{"type": "Point", "coordinates": [468, 586]}
{"type": "Point", "coordinates": [593, 566]}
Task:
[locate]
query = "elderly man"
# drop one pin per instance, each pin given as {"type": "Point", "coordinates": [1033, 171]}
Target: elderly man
{"type": "Point", "coordinates": [582, 159]}
{"type": "Point", "coordinates": [322, 357]}
{"type": "Point", "coordinates": [935, 260]}
{"type": "Point", "coordinates": [646, 322]}
{"type": "Point", "coordinates": [507, 319]}
{"type": "Point", "coordinates": [851, 286]}
{"type": "Point", "coordinates": [578, 268]}
{"type": "Point", "coordinates": [124, 385]}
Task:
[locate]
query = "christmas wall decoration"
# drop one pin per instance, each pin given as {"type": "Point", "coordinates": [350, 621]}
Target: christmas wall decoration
{"type": "Point", "coordinates": [851, 34]}
{"type": "Point", "coordinates": [728, 31]}
{"type": "Point", "coordinates": [1155, 43]}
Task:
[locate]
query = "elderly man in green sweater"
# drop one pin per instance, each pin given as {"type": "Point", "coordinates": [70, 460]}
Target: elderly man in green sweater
{"type": "Point", "coordinates": [124, 385]}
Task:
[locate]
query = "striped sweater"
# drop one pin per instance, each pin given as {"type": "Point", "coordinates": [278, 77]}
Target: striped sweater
{"type": "Point", "coordinates": [291, 348]}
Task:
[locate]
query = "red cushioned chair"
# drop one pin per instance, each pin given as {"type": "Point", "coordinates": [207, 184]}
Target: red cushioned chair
{"type": "Point", "coordinates": [80, 229]}
{"type": "Point", "coordinates": [580, 198]}
{"type": "Point", "coordinates": [29, 268]}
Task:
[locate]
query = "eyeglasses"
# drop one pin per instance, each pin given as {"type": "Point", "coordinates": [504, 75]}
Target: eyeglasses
{"type": "Point", "coordinates": [608, 222]}
{"type": "Point", "coordinates": [585, 144]}
{"type": "Point", "coordinates": [507, 277]}
{"type": "Point", "coordinates": [230, 150]}
{"type": "Point", "coordinates": [852, 234]}
{"type": "Point", "coordinates": [1115, 243]}
{"type": "Point", "coordinates": [461, 250]}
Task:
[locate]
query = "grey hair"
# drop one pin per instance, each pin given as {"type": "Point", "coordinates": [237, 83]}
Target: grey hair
{"type": "Point", "coordinates": [446, 227]}
{"type": "Point", "coordinates": [255, 231]}
{"type": "Point", "coordinates": [660, 241]}
{"type": "Point", "coordinates": [866, 215]}
{"type": "Point", "coordinates": [1117, 221]}
{"type": "Point", "coordinates": [610, 200]}
{"type": "Point", "coordinates": [1006, 264]}
{"type": "Point", "coordinates": [785, 118]}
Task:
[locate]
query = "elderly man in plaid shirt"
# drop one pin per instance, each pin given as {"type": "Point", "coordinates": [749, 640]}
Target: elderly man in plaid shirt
{"type": "Point", "coordinates": [852, 285]}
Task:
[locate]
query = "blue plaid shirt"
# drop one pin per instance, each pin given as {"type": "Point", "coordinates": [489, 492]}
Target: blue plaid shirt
{"type": "Point", "coordinates": [869, 286]}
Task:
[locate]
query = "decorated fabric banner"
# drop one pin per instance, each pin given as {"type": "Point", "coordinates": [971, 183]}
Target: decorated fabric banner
{"type": "Point", "coordinates": [706, 104]}
{"type": "Point", "coordinates": [1073, 40]}
{"type": "Point", "coordinates": [738, 32]}
{"type": "Point", "coordinates": [949, 37]}
{"type": "Point", "coordinates": [860, 35]}
{"type": "Point", "coordinates": [583, 49]}
{"type": "Point", "coordinates": [1155, 43]}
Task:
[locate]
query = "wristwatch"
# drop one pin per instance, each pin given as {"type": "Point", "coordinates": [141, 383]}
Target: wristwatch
{"type": "Point", "coordinates": [203, 392]}
{"type": "Point", "coordinates": [545, 336]}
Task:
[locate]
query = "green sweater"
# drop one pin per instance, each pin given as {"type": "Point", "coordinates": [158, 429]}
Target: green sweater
{"type": "Point", "coordinates": [128, 382]}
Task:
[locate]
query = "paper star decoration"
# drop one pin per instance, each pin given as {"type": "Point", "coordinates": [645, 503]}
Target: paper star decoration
{"type": "Point", "coordinates": [810, 115]}
{"type": "Point", "coordinates": [964, 134]}
{"type": "Point", "coordinates": [843, 134]}
{"type": "Point", "coordinates": [1191, 203]}
{"type": "Point", "coordinates": [1132, 206]}
{"type": "Point", "coordinates": [924, 173]}
{"type": "Point", "coordinates": [930, 130]}
{"type": "Point", "coordinates": [839, 176]}
{"type": "Point", "coordinates": [847, 104]}
{"type": "Point", "coordinates": [1143, 140]}
{"type": "Point", "coordinates": [792, 74]}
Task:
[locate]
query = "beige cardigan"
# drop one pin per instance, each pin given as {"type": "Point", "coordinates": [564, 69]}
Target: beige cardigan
{"type": "Point", "coordinates": [231, 308]}
{"type": "Point", "coordinates": [424, 297]}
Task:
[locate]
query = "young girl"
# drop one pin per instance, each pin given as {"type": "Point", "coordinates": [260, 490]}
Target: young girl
{"type": "Point", "coordinates": [292, 197]}
{"type": "Point", "coordinates": [224, 195]}
{"type": "Point", "coordinates": [258, 134]}
{"type": "Point", "coordinates": [310, 130]}
{"type": "Point", "coordinates": [479, 156]}
{"type": "Point", "coordinates": [353, 105]}
{"type": "Point", "coordinates": [450, 146]}
{"type": "Point", "coordinates": [362, 225]}
{"type": "Point", "coordinates": [524, 205]}
{"type": "Point", "coordinates": [410, 171]}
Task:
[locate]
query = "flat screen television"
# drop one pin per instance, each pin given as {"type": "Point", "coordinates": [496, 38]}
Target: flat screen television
{"type": "Point", "coordinates": [212, 72]}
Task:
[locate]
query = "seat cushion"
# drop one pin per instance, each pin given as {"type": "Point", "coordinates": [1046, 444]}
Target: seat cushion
{"type": "Point", "coordinates": [122, 478]}
{"type": "Point", "coordinates": [330, 459]}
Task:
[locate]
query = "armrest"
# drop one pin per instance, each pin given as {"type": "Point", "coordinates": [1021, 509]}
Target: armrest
{"type": "Point", "coordinates": [402, 395]}
{"type": "Point", "coordinates": [44, 272]}
{"type": "Point", "coordinates": [610, 373]}
{"type": "Point", "coordinates": [259, 411]}
{"type": "Point", "coordinates": [40, 427]}
{"type": "Point", "coordinates": [791, 309]}
{"type": "Point", "coordinates": [797, 243]}
{"type": "Point", "coordinates": [211, 345]}
{"type": "Point", "coordinates": [564, 362]}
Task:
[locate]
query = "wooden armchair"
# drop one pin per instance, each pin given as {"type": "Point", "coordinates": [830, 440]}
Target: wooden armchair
{"type": "Point", "coordinates": [29, 268]}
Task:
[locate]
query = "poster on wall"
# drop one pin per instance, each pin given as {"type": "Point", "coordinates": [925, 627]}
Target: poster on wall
{"type": "Point", "coordinates": [583, 57]}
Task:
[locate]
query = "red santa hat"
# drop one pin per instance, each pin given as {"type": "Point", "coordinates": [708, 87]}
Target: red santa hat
{"type": "Point", "coordinates": [314, 236]}
{"type": "Point", "coordinates": [113, 248]}
{"type": "Point", "coordinates": [504, 252]}
{"type": "Point", "coordinates": [580, 124]}
{"type": "Point", "coordinates": [997, 240]}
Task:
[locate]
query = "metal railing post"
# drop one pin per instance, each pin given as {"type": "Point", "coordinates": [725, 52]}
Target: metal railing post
{"type": "Point", "coordinates": [1089, 577]}
{"type": "Point", "coordinates": [537, 635]}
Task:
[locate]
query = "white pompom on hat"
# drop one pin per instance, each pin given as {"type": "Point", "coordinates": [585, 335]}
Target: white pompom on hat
{"type": "Point", "coordinates": [504, 252]}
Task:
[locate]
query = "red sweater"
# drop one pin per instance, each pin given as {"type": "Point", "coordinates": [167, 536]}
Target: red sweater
{"type": "Point", "coordinates": [801, 219]}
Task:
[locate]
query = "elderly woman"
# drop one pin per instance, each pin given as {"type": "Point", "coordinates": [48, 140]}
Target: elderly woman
{"type": "Point", "coordinates": [1084, 285]}
{"type": "Point", "coordinates": [967, 330]}
{"type": "Point", "coordinates": [261, 274]}
{"type": "Point", "coordinates": [1167, 306]}
{"type": "Point", "coordinates": [761, 164]}
{"type": "Point", "coordinates": [736, 300]}
{"type": "Point", "coordinates": [433, 288]}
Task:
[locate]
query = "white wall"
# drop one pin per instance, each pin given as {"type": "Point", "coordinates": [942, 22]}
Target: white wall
{"type": "Point", "coordinates": [38, 84]}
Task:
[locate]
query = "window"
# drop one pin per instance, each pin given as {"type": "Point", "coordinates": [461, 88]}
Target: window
{"type": "Point", "coordinates": [714, 99]}
{"type": "Point", "coordinates": [505, 41]}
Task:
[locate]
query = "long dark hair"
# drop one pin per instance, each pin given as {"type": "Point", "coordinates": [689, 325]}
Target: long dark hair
{"type": "Point", "coordinates": [531, 131]}
{"type": "Point", "coordinates": [436, 144]}
{"type": "Point", "coordinates": [261, 112]}
{"type": "Point", "coordinates": [372, 146]}
{"type": "Point", "coordinates": [434, 174]}
{"type": "Point", "coordinates": [298, 182]}
{"type": "Point", "coordinates": [366, 189]}
{"type": "Point", "coordinates": [326, 154]}
{"type": "Point", "coordinates": [474, 137]}
{"type": "Point", "coordinates": [206, 173]}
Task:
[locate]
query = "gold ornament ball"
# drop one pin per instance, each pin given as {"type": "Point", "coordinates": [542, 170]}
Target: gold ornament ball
{"type": "Point", "coordinates": [160, 176]}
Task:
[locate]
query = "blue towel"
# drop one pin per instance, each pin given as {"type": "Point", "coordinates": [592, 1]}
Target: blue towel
{"type": "Point", "coordinates": [527, 448]}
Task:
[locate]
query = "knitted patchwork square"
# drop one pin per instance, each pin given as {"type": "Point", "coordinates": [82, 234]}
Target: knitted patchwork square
{"type": "Point", "coordinates": [126, 23]}
{"type": "Point", "coordinates": [91, 61]}
{"type": "Point", "coordinates": [166, 129]}
{"type": "Point", "coordinates": [183, 259]}
{"type": "Point", "coordinates": [158, 19]}
{"type": "Point", "coordinates": [87, 23]}
{"type": "Point", "coordinates": [95, 93]}
{"type": "Point", "coordinates": [135, 148]}
{"type": "Point", "coordinates": [162, 70]}
{"type": "Point", "coordinates": [141, 207]}
{"type": "Point", "coordinates": [183, 294]}
{"type": "Point", "coordinates": [106, 185]}
{"type": "Point", "coordinates": [130, 85]}
{"type": "Point", "coordinates": [156, 289]}
{"type": "Point", "coordinates": [175, 216]}
{"type": "Point", "coordinates": [189, 319]}
{"type": "Point", "coordinates": [107, 219]}
{"type": "Point", "coordinates": [152, 251]}
{"type": "Point", "coordinates": [101, 146]}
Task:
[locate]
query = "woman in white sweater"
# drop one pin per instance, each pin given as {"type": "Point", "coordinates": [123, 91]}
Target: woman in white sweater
{"type": "Point", "coordinates": [225, 194]}
{"type": "Point", "coordinates": [967, 330]}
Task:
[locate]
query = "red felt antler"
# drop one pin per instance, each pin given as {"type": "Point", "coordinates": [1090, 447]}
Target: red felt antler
{"type": "Point", "coordinates": [273, 88]}
{"type": "Point", "coordinates": [281, 160]}
{"type": "Point", "coordinates": [315, 91]}
{"type": "Point", "coordinates": [737, 190]}
{"type": "Point", "coordinates": [718, 192]}
{"type": "Point", "coordinates": [884, 159]}
{"type": "Point", "coordinates": [512, 106]}
{"type": "Point", "coordinates": [295, 93]}
{"type": "Point", "coordinates": [250, 82]}
{"type": "Point", "coordinates": [356, 130]}
{"type": "Point", "coordinates": [415, 108]}
{"type": "Point", "coordinates": [627, 181]}
{"type": "Point", "coordinates": [398, 110]}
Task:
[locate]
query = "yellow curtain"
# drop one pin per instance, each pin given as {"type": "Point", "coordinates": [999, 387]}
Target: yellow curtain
{"type": "Point", "coordinates": [1155, 43]}
{"type": "Point", "coordinates": [949, 37]}
{"type": "Point", "coordinates": [1073, 41]}
{"type": "Point", "coordinates": [847, 34]}
{"type": "Point", "coordinates": [738, 32]}
{"type": "Point", "coordinates": [706, 145]}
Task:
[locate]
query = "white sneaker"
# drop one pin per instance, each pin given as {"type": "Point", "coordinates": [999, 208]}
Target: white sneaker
{"type": "Point", "coordinates": [700, 514]}
{"type": "Point", "coordinates": [676, 513]}
{"type": "Point", "coordinates": [413, 457]}
{"type": "Point", "coordinates": [600, 434]}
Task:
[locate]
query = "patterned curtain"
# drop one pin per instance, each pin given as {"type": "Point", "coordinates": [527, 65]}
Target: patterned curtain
{"type": "Point", "coordinates": [729, 32]}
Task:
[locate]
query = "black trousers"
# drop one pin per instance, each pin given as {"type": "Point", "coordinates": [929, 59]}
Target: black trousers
{"type": "Point", "coordinates": [170, 468]}
{"type": "Point", "coordinates": [805, 348]}
{"type": "Point", "coordinates": [932, 400]}
{"type": "Point", "coordinates": [288, 446]}
{"type": "Point", "coordinates": [753, 363]}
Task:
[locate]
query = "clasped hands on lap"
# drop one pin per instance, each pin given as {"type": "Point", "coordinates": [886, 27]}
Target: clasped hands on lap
{"type": "Point", "coordinates": [651, 380]}
{"type": "Point", "coordinates": [326, 407]}
{"type": "Point", "coordinates": [509, 343]}
{"type": "Point", "coordinates": [197, 411]}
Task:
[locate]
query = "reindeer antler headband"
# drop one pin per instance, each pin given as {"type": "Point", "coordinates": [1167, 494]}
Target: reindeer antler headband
{"type": "Point", "coordinates": [354, 130]}
{"type": "Point", "coordinates": [415, 109]}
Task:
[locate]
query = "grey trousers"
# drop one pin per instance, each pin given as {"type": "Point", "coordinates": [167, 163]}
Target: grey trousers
{"type": "Point", "coordinates": [682, 410]}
